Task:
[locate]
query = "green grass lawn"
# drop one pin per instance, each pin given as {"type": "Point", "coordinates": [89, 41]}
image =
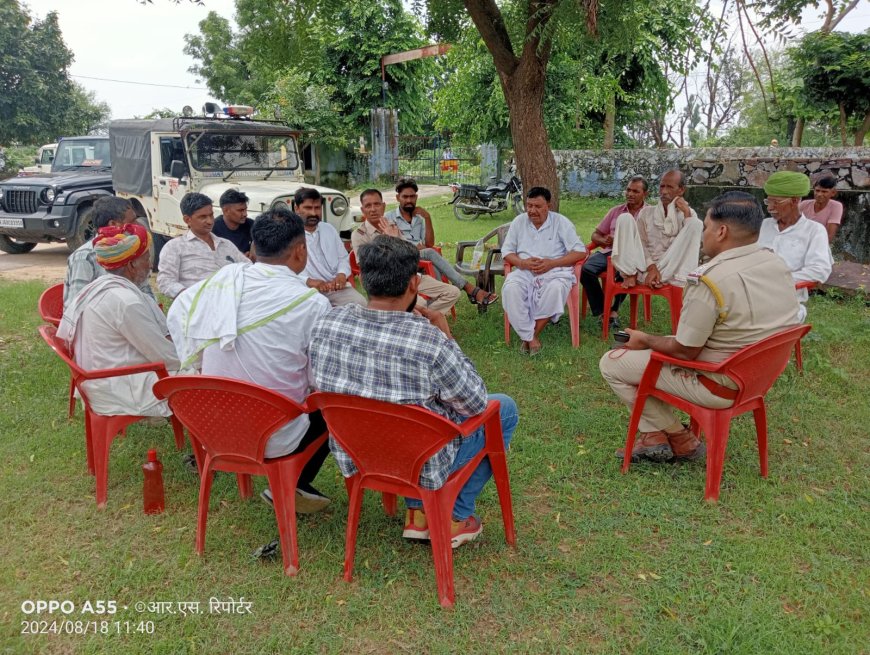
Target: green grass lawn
{"type": "Point", "coordinates": [604, 563]}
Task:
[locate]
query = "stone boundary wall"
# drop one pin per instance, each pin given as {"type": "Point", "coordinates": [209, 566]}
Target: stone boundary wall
{"type": "Point", "coordinates": [604, 172]}
{"type": "Point", "coordinates": [711, 171]}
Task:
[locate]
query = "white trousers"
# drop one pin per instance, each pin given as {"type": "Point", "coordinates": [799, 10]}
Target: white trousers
{"type": "Point", "coordinates": [680, 259]}
{"type": "Point", "coordinates": [527, 297]}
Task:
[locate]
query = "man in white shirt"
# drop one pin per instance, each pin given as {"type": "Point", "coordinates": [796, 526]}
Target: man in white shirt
{"type": "Point", "coordinates": [253, 322]}
{"type": "Point", "coordinates": [198, 253]}
{"type": "Point", "coordinates": [328, 264]}
{"type": "Point", "coordinates": [112, 323]}
{"type": "Point", "coordinates": [542, 247]}
{"type": "Point", "coordinates": [801, 243]}
{"type": "Point", "coordinates": [663, 245]}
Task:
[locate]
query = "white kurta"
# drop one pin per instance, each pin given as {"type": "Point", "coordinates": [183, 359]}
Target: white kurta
{"type": "Point", "coordinates": [527, 297]}
{"type": "Point", "coordinates": [803, 247]}
{"type": "Point", "coordinates": [672, 242]}
{"type": "Point", "coordinates": [253, 323]}
{"type": "Point", "coordinates": [111, 323]}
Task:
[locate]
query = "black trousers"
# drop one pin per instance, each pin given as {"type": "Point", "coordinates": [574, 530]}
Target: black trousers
{"type": "Point", "coordinates": [315, 429]}
{"type": "Point", "coordinates": [592, 268]}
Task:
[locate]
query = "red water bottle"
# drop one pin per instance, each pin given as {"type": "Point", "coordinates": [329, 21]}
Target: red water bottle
{"type": "Point", "coordinates": [152, 489]}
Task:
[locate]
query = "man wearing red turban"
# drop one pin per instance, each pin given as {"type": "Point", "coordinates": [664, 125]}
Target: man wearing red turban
{"type": "Point", "coordinates": [112, 323]}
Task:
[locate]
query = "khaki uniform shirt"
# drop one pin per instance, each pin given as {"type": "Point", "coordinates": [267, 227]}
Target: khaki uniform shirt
{"type": "Point", "coordinates": [759, 297]}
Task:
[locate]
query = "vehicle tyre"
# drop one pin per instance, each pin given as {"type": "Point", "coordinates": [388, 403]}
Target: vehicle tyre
{"type": "Point", "coordinates": [518, 204]}
{"type": "Point", "coordinates": [464, 214]}
{"type": "Point", "coordinates": [14, 246]}
{"type": "Point", "coordinates": [85, 230]}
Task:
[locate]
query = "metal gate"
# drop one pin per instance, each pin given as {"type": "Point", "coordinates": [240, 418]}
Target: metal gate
{"type": "Point", "coordinates": [433, 160]}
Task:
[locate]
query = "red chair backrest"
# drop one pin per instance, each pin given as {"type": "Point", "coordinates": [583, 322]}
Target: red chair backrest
{"type": "Point", "coordinates": [51, 304]}
{"type": "Point", "coordinates": [384, 439]}
{"type": "Point", "coordinates": [232, 419]}
{"type": "Point", "coordinates": [58, 345]}
{"type": "Point", "coordinates": [756, 367]}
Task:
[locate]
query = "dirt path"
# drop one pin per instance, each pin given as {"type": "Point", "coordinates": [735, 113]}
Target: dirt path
{"type": "Point", "coordinates": [45, 262]}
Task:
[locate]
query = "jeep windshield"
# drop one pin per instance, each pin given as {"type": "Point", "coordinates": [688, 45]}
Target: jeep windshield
{"type": "Point", "coordinates": [222, 151]}
{"type": "Point", "coordinates": [77, 154]}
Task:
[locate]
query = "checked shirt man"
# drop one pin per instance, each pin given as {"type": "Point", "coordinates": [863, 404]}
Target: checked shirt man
{"type": "Point", "coordinates": [390, 352]}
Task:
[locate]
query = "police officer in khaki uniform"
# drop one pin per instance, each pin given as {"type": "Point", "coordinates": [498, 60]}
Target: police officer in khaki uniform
{"type": "Point", "coordinates": [741, 296]}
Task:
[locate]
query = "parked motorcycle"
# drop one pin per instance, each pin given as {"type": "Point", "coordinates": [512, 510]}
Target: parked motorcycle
{"type": "Point", "coordinates": [471, 200]}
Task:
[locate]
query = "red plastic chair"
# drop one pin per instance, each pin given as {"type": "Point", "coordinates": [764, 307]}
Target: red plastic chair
{"type": "Point", "coordinates": [354, 270]}
{"type": "Point", "coordinates": [231, 421]}
{"type": "Point", "coordinates": [798, 353]}
{"type": "Point", "coordinates": [573, 307]}
{"type": "Point", "coordinates": [101, 430]}
{"type": "Point", "coordinates": [754, 369]}
{"type": "Point", "coordinates": [389, 444]}
{"type": "Point", "coordinates": [612, 288]}
{"type": "Point", "coordinates": [51, 310]}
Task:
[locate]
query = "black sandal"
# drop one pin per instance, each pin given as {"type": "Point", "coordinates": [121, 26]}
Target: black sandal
{"type": "Point", "coordinates": [488, 299]}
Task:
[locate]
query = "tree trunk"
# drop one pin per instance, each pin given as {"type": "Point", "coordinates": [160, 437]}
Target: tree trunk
{"type": "Point", "coordinates": [861, 131]}
{"type": "Point", "coordinates": [610, 122]}
{"type": "Point", "coordinates": [798, 135]}
{"type": "Point", "coordinates": [524, 93]}
{"type": "Point", "coordinates": [842, 123]}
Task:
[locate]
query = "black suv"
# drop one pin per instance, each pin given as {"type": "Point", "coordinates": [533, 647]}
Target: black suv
{"type": "Point", "coordinates": [56, 207]}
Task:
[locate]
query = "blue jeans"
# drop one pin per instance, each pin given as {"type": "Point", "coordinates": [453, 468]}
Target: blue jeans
{"type": "Point", "coordinates": [471, 445]}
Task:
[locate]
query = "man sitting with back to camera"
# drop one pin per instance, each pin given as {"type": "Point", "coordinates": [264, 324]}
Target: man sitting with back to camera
{"type": "Point", "coordinates": [415, 226]}
{"type": "Point", "coordinates": [113, 323]}
{"type": "Point", "coordinates": [82, 266]}
{"type": "Point", "coordinates": [196, 254]}
{"type": "Point", "coordinates": [542, 246]}
{"type": "Point", "coordinates": [328, 262]}
{"type": "Point", "coordinates": [742, 295]}
{"type": "Point", "coordinates": [233, 224]}
{"type": "Point", "coordinates": [393, 352]}
{"type": "Point", "coordinates": [253, 322]}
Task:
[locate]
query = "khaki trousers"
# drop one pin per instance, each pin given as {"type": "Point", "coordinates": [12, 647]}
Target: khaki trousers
{"type": "Point", "coordinates": [623, 369]}
{"type": "Point", "coordinates": [346, 296]}
{"type": "Point", "coordinates": [441, 297]}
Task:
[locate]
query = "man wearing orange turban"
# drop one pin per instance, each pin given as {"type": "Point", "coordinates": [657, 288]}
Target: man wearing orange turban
{"type": "Point", "coordinates": [112, 323]}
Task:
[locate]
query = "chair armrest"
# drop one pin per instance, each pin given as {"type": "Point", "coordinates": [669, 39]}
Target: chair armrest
{"type": "Point", "coordinates": [155, 367]}
{"type": "Point", "coordinates": [427, 268]}
{"type": "Point", "coordinates": [460, 249]}
{"type": "Point", "coordinates": [693, 364]}
{"type": "Point", "coordinates": [471, 425]}
{"type": "Point", "coordinates": [806, 284]}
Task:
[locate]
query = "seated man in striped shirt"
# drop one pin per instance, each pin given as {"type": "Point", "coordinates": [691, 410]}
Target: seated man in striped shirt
{"type": "Point", "coordinates": [198, 253]}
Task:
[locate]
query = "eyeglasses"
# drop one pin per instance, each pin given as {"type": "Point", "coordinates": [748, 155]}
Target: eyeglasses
{"type": "Point", "coordinates": [775, 201]}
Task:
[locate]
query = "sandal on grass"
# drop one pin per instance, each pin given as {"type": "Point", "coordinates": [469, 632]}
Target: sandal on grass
{"type": "Point", "coordinates": [488, 299]}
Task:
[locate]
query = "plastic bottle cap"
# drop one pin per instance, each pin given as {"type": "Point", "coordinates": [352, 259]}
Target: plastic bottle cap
{"type": "Point", "coordinates": [152, 455]}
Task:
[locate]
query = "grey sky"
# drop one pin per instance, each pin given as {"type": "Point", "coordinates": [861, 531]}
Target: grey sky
{"type": "Point", "coordinates": [125, 40]}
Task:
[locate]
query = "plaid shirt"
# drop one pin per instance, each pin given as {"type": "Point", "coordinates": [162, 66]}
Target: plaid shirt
{"type": "Point", "coordinates": [401, 358]}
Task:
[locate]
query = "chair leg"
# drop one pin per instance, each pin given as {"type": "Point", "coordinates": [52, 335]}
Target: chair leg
{"type": "Point", "coordinates": [798, 357]}
{"type": "Point", "coordinates": [282, 482]}
{"type": "Point", "coordinates": [632, 311]}
{"type": "Point", "coordinates": [647, 308]}
{"type": "Point", "coordinates": [574, 317]}
{"type": "Point", "coordinates": [583, 303]}
{"type": "Point", "coordinates": [442, 552]}
{"type": "Point", "coordinates": [498, 462]}
{"type": "Point", "coordinates": [178, 431]}
{"type": "Point", "coordinates": [202, 514]}
{"type": "Point", "coordinates": [717, 439]}
{"type": "Point", "coordinates": [507, 330]}
{"type": "Point", "coordinates": [72, 398]}
{"type": "Point", "coordinates": [633, 424]}
{"type": "Point", "coordinates": [354, 507]}
{"type": "Point", "coordinates": [246, 486]}
{"type": "Point", "coordinates": [89, 443]}
{"type": "Point", "coordinates": [675, 302]}
{"type": "Point", "coordinates": [101, 445]}
{"type": "Point", "coordinates": [760, 416]}
{"type": "Point", "coordinates": [390, 503]}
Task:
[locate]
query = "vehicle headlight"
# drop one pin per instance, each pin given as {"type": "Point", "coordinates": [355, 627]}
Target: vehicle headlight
{"type": "Point", "coordinates": [48, 195]}
{"type": "Point", "coordinates": [338, 205]}
{"type": "Point", "coordinates": [281, 205]}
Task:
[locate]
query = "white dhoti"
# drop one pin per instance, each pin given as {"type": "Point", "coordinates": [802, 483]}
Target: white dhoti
{"type": "Point", "coordinates": [527, 297]}
{"type": "Point", "coordinates": [679, 259]}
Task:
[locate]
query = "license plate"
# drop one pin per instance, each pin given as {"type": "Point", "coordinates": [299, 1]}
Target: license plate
{"type": "Point", "coordinates": [12, 222]}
